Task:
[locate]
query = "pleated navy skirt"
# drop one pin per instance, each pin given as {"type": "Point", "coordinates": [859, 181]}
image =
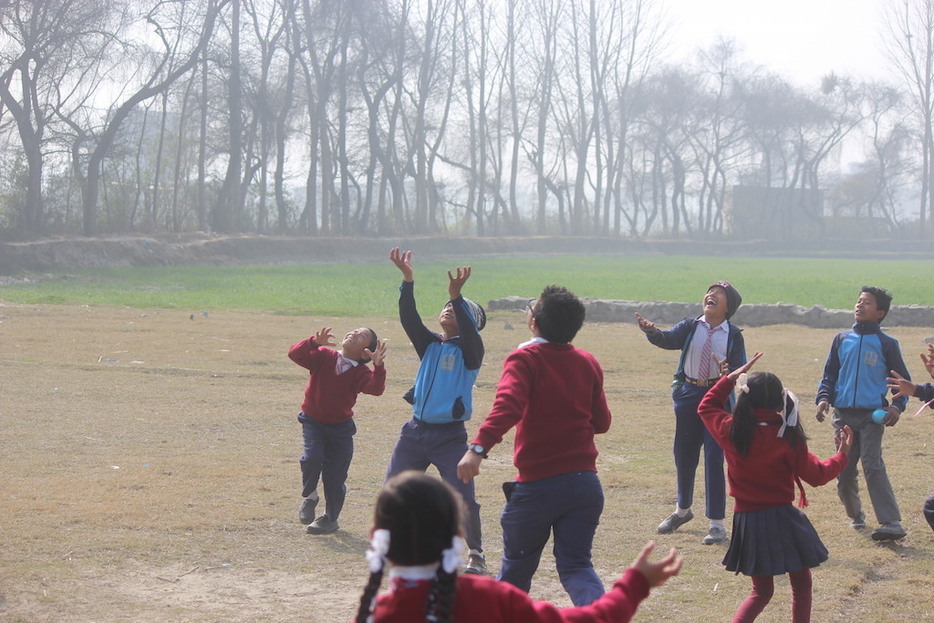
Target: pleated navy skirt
{"type": "Point", "coordinates": [773, 541]}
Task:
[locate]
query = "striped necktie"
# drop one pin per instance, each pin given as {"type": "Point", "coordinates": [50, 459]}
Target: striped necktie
{"type": "Point", "coordinates": [703, 372]}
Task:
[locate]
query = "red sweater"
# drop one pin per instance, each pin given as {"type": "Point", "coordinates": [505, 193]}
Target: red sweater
{"type": "Point", "coordinates": [483, 599]}
{"type": "Point", "coordinates": [766, 476]}
{"type": "Point", "coordinates": [330, 397]}
{"type": "Point", "coordinates": [553, 395]}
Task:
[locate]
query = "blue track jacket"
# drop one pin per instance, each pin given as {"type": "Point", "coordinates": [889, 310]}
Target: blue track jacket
{"type": "Point", "coordinates": [443, 389]}
{"type": "Point", "coordinates": [859, 362]}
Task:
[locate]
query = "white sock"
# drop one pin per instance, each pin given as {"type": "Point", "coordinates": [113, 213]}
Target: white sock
{"type": "Point", "coordinates": [475, 552]}
{"type": "Point", "coordinates": [682, 512]}
{"type": "Point", "coordinates": [717, 523]}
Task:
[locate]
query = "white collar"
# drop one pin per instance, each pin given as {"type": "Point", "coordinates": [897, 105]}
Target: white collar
{"type": "Point", "coordinates": [533, 342]}
{"type": "Point", "coordinates": [352, 363]}
{"type": "Point", "coordinates": [417, 572]}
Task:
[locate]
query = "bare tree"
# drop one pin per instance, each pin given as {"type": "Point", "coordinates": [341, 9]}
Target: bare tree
{"type": "Point", "coordinates": [48, 47]}
{"type": "Point", "coordinates": [909, 25]}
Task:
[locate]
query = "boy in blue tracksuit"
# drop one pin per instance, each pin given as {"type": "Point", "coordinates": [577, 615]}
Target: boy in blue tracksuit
{"type": "Point", "coordinates": [855, 384]}
{"type": "Point", "coordinates": [442, 398]}
{"type": "Point", "coordinates": [710, 346]}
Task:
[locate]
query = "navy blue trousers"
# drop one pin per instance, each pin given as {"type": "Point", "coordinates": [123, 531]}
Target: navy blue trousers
{"type": "Point", "coordinates": [568, 505]}
{"type": "Point", "coordinates": [328, 452]}
{"type": "Point", "coordinates": [690, 436]}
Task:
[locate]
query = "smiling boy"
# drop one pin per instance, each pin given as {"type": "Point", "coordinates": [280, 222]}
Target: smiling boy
{"type": "Point", "coordinates": [855, 384]}
{"type": "Point", "coordinates": [710, 347]}
{"type": "Point", "coordinates": [335, 378]}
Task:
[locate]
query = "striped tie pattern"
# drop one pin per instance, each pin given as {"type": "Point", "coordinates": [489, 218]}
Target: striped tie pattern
{"type": "Point", "coordinates": [703, 372]}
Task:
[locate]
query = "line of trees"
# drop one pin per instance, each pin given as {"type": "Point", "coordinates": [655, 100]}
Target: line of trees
{"type": "Point", "coordinates": [477, 117]}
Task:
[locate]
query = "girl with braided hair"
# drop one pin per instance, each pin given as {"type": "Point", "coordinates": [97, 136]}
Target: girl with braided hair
{"type": "Point", "coordinates": [417, 528]}
{"type": "Point", "coordinates": [767, 457]}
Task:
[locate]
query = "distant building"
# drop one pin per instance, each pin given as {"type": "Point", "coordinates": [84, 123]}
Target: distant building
{"type": "Point", "coordinates": [777, 213]}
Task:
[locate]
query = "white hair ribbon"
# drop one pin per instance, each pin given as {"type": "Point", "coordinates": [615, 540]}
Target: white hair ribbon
{"type": "Point", "coordinates": [451, 558]}
{"type": "Point", "coordinates": [791, 419]}
{"type": "Point", "coordinates": [742, 384]}
{"type": "Point", "coordinates": [379, 547]}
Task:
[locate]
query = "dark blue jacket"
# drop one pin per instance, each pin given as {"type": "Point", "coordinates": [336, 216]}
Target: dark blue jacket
{"type": "Point", "coordinates": [857, 367]}
{"type": "Point", "coordinates": [679, 336]}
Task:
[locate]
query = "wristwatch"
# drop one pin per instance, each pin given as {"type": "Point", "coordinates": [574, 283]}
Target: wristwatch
{"type": "Point", "coordinates": [478, 449]}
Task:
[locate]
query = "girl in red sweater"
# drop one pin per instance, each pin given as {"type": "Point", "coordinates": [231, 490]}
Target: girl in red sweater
{"type": "Point", "coordinates": [767, 455]}
{"type": "Point", "coordinates": [418, 523]}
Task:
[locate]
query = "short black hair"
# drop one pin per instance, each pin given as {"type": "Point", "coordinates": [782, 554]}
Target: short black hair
{"type": "Point", "coordinates": [559, 314]}
{"type": "Point", "coordinates": [882, 296]}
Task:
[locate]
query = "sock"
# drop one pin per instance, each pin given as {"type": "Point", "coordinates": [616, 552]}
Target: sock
{"type": "Point", "coordinates": [681, 512]}
{"type": "Point", "coordinates": [475, 552]}
{"type": "Point", "coordinates": [717, 523]}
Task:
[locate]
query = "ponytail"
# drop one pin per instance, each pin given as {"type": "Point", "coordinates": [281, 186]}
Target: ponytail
{"type": "Point", "coordinates": [368, 599]}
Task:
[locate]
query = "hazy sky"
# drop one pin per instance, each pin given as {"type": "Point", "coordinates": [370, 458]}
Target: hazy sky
{"type": "Point", "coordinates": [799, 39]}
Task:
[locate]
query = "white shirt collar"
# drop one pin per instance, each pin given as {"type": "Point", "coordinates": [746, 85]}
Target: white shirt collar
{"type": "Point", "coordinates": [418, 572]}
{"type": "Point", "coordinates": [533, 341]}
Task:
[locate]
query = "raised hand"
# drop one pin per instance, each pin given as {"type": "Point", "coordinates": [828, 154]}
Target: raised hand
{"type": "Point", "coordinates": [378, 355]}
{"type": "Point", "coordinates": [657, 573]}
{"type": "Point", "coordinates": [903, 385]}
{"type": "Point", "coordinates": [324, 337]}
{"type": "Point", "coordinates": [744, 368]}
{"type": "Point", "coordinates": [929, 360]}
{"type": "Point", "coordinates": [844, 439]}
{"type": "Point", "coordinates": [646, 325]}
{"type": "Point", "coordinates": [457, 280]}
{"type": "Point", "coordinates": [403, 260]}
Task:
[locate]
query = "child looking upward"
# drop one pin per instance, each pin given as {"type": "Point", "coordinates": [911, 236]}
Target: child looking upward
{"type": "Point", "coordinates": [335, 378]}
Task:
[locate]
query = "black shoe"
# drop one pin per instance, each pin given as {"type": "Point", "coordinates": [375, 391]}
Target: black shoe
{"type": "Point", "coordinates": [476, 565]}
{"type": "Point", "coordinates": [306, 514]}
{"type": "Point", "coordinates": [322, 525]}
{"type": "Point", "coordinates": [674, 522]}
{"type": "Point", "coordinates": [889, 531]}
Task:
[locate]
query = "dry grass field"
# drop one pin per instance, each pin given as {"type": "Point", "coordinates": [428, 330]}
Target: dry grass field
{"type": "Point", "coordinates": [149, 465]}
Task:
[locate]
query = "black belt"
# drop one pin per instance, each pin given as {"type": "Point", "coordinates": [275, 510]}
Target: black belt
{"type": "Point", "coordinates": [699, 382]}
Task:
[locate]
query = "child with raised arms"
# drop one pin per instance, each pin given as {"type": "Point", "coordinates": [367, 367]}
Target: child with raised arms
{"type": "Point", "coordinates": [417, 536]}
{"type": "Point", "coordinates": [767, 455]}
{"type": "Point", "coordinates": [335, 378]}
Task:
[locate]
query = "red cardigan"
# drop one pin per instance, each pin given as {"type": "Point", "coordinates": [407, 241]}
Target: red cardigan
{"type": "Point", "coordinates": [330, 397]}
{"type": "Point", "coordinates": [766, 476]}
{"type": "Point", "coordinates": [483, 599]}
{"type": "Point", "coordinates": [553, 395]}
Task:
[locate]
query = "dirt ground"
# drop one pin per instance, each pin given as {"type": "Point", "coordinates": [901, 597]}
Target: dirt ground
{"type": "Point", "coordinates": [149, 464]}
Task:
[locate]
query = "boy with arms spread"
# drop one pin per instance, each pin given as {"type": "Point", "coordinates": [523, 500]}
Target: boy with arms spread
{"type": "Point", "coordinates": [855, 385]}
{"type": "Point", "coordinates": [710, 346]}
{"type": "Point", "coordinates": [442, 398]}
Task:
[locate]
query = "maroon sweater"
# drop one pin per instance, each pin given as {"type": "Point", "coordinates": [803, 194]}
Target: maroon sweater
{"type": "Point", "coordinates": [766, 476]}
{"type": "Point", "coordinates": [330, 397]}
{"type": "Point", "coordinates": [483, 599]}
{"type": "Point", "coordinates": [553, 395]}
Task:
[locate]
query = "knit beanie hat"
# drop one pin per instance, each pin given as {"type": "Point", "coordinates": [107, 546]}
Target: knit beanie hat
{"type": "Point", "coordinates": [479, 316]}
{"type": "Point", "coordinates": [733, 299]}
